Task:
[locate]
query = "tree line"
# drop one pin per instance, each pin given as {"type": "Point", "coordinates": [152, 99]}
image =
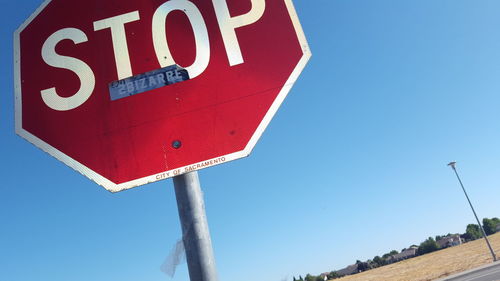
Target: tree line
{"type": "Point", "coordinates": [472, 232]}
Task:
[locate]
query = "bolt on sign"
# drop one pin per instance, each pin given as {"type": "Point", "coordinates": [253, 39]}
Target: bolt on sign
{"type": "Point", "coordinates": [131, 92]}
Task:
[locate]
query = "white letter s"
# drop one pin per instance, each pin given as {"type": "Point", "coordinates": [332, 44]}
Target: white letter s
{"type": "Point", "coordinates": [80, 68]}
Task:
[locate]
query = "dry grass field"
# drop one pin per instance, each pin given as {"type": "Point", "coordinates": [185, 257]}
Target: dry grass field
{"type": "Point", "coordinates": [434, 265]}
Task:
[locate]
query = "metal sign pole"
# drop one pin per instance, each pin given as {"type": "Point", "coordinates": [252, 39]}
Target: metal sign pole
{"type": "Point", "coordinates": [195, 233]}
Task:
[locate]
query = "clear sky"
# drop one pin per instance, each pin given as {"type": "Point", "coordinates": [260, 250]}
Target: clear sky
{"type": "Point", "coordinates": [352, 166]}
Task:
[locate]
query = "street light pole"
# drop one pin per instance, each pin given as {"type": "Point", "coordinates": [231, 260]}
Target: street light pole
{"type": "Point", "coordinates": [452, 165]}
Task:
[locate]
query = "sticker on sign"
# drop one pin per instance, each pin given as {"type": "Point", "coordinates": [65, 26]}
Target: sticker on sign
{"type": "Point", "coordinates": [147, 81]}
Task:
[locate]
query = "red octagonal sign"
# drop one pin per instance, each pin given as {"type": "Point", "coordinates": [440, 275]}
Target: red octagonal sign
{"type": "Point", "coordinates": [101, 84]}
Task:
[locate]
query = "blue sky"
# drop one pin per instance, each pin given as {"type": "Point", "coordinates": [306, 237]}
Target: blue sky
{"type": "Point", "coordinates": [352, 166]}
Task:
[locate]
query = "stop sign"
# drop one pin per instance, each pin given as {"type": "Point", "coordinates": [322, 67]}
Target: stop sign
{"type": "Point", "coordinates": [241, 57]}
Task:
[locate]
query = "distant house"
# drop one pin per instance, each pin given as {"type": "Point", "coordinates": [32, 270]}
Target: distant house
{"type": "Point", "coordinates": [450, 241]}
{"type": "Point", "coordinates": [324, 275]}
{"type": "Point", "coordinates": [405, 254]}
{"type": "Point", "coordinates": [497, 229]}
{"type": "Point", "coordinates": [351, 269]}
